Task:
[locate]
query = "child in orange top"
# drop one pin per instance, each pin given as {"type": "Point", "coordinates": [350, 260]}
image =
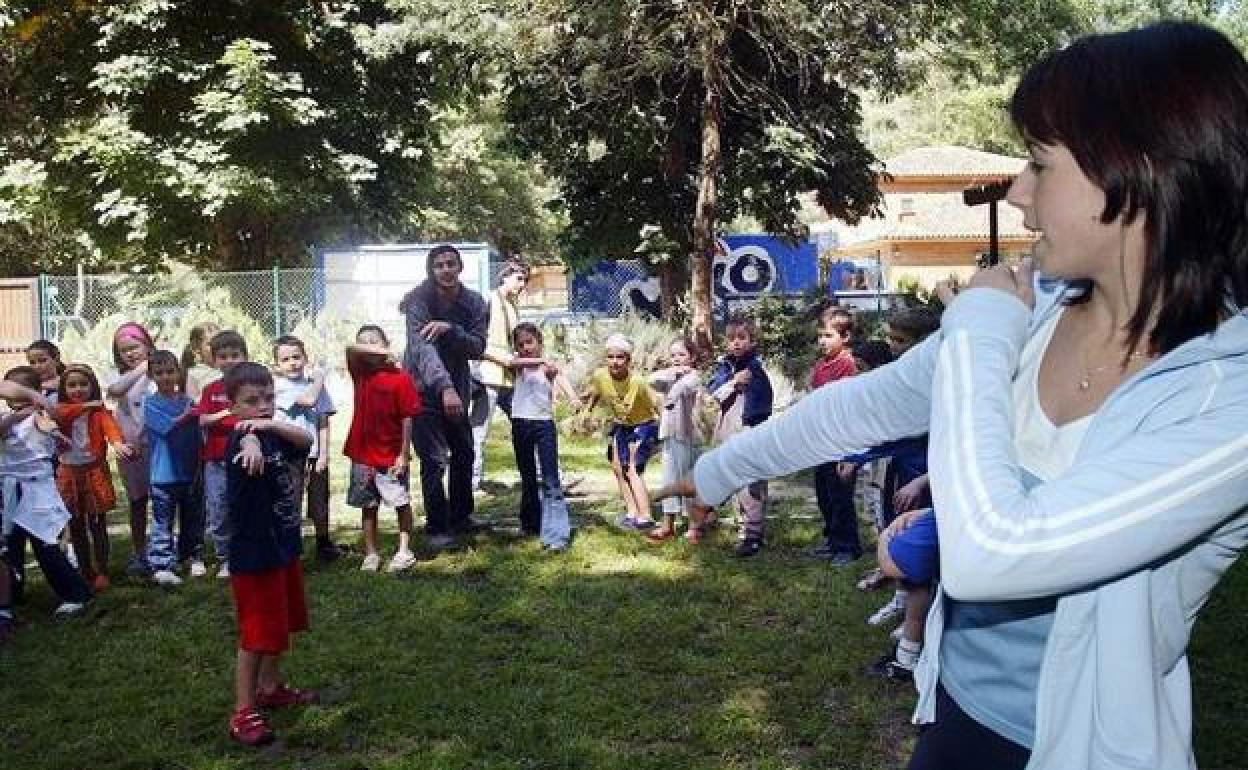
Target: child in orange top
{"type": "Point", "coordinates": [83, 476]}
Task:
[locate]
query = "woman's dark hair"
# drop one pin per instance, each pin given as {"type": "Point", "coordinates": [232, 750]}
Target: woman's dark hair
{"type": "Point", "coordinates": [54, 352]}
{"type": "Point", "coordinates": [1157, 118]}
{"type": "Point", "coordinates": [372, 328]}
{"type": "Point", "coordinates": [526, 327]}
{"type": "Point", "coordinates": [95, 393]}
{"type": "Point", "coordinates": [167, 358]}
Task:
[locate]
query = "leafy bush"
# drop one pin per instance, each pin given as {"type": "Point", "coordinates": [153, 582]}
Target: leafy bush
{"type": "Point", "coordinates": [788, 332]}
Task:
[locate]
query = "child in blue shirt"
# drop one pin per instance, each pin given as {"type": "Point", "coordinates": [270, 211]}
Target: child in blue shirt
{"type": "Point", "coordinates": [742, 389]}
{"type": "Point", "coordinates": [303, 399]}
{"type": "Point", "coordinates": [173, 443]}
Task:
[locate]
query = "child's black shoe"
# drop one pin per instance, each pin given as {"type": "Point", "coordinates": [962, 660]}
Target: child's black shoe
{"type": "Point", "coordinates": [748, 547]}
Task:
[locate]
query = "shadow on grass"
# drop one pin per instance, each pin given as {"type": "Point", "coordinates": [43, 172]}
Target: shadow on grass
{"type": "Point", "coordinates": [616, 654]}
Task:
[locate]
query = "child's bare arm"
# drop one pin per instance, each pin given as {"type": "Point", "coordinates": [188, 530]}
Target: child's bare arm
{"type": "Point", "coordinates": [322, 443]}
{"type": "Point", "coordinates": [126, 381]}
{"type": "Point", "coordinates": [12, 418]}
{"type": "Point", "coordinates": [291, 433]}
{"type": "Point", "coordinates": [212, 418]}
{"type": "Point", "coordinates": [562, 385]}
{"type": "Point", "coordinates": [312, 393]}
{"type": "Point", "coordinates": [16, 391]}
{"type": "Point", "coordinates": [404, 459]}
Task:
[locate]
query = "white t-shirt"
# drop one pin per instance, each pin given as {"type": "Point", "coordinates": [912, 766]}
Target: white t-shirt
{"type": "Point", "coordinates": [533, 397]}
{"type": "Point", "coordinates": [286, 392]}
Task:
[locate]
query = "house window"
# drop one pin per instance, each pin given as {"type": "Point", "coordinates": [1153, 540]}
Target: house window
{"type": "Point", "coordinates": [907, 209]}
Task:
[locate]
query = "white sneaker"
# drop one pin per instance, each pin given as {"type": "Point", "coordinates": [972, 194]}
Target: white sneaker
{"type": "Point", "coordinates": [896, 633]}
{"type": "Point", "coordinates": [372, 563]}
{"type": "Point", "coordinates": [69, 610]}
{"type": "Point", "coordinates": [893, 608]}
{"type": "Point", "coordinates": [198, 569]}
{"type": "Point", "coordinates": [164, 577]}
{"type": "Point", "coordinates": [223, 571]}
{"type": "Point", "coordinates": [402, 560]}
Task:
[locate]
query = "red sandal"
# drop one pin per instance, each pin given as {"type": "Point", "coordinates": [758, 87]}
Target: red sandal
{"type": "Point", "coordinates": [284, 695]}
{"type": "Point", "coordinates": [250, 728]}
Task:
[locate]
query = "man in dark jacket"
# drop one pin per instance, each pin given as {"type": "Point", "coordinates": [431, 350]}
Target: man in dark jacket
{"type": "Point", "coordinates": [446, 329]}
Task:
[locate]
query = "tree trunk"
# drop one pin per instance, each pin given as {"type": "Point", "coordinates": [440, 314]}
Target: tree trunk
{"type": "Point", "coordinates": [673, 282]}
{"type": "Point", "coordinates": [708, 201]}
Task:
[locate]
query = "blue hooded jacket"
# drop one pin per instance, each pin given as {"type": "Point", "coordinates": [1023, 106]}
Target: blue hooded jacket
{"type": "Point", "coordinates": [758, 395]}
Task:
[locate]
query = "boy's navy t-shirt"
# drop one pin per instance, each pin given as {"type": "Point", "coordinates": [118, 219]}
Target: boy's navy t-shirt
{"type": "Point", "coordinates": [264, 522]}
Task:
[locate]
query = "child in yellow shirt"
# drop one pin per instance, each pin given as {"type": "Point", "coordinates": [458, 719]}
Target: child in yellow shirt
{"type": "Point", "coordinates": [635, 428]}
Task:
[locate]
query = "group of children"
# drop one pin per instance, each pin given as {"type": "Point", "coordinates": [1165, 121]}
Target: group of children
{"type": "Point", "coordinates": [229, 450]}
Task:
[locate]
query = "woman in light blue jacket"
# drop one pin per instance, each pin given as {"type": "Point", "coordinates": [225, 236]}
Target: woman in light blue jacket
{"type": "Point", "coordinates": [1089, 428]}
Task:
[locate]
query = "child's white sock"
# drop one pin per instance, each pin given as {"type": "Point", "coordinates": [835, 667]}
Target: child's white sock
{"type": "Point", "coordinates": [908, 653]}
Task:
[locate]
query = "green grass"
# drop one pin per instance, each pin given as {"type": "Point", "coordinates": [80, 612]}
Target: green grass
{"type": "Point", "coordinates": [613, 655]}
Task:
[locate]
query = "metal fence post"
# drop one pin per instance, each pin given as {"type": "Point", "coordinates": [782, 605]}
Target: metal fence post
{"type": "Point", "coordinates": [277, 302]}
{"type": "Point", "coordinates": [44, 331]}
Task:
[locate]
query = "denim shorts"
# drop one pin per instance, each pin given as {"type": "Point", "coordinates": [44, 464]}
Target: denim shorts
{"type": "Point", "coordinates": [623, 438]}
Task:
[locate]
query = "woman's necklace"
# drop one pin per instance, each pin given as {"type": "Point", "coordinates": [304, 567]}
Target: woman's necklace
{"type": "Point", "coordinates": [1085, 382]}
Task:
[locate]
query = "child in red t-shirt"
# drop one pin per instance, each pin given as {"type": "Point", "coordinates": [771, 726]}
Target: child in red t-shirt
{"type": "Point", "coordinates": [228, 350]}
{"type": "Point", "coordinates": [378, 443]}
{"type": "Point", "coordinates": [834, 482]}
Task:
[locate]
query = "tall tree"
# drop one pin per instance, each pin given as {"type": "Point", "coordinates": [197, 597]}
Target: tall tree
{"type": "Point", "coordinates": [228, 134]}
{"type": "Point", "coordinates": [682, 114]}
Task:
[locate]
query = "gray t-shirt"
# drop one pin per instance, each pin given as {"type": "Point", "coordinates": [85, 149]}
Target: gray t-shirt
{"type": "Point", "coordinates": [286, 393]}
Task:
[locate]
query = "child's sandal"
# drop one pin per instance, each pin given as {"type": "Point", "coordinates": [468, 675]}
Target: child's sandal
{"type": "Point", "coordinates": [250, 728]}
{"type": "Point", "coordinates": [284, 695]}
{"type": "Point", "coordinates": [660, 535]}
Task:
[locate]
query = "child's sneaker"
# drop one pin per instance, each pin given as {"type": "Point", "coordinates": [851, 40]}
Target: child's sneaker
{"type": "Point", "coordinates": [893, 608]}
{"type": "Point", "coordinates": [372, 562]}
{"type": "Point", "coordinates": [402, 560]}
{"type": "Point", "coordinates": [250, 728]}
{"type": "Point", "coordinates": [69, 610]}
{"type": "Point", "coordinates": [223, 572]}
{"type": "Point", "coordinates": [284, 695]}
{"type": "Point", "coordinates": [747, 547]}
{"type": "Point", "coordinates": [198, 569]}
{"type": "Point", "coordinates": [872, 580]}
{"type": "Point", "coordinates": [100, 584]}
{"type": "Point", "coordinates": [164, 577]}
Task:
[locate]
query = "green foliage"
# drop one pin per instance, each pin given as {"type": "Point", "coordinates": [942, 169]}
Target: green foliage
{"type": "Point", "coordinates": [788, 332]}
{"type": "Point", "coordinates": [229, 135]}
{"type": "Point", "coordinates": [635, 656]}
{"type": "Point", "coordinates": [170, 305]}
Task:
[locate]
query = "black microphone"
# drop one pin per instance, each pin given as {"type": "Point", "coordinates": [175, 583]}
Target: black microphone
{"type": "Point", "coordinates": [988, 193]}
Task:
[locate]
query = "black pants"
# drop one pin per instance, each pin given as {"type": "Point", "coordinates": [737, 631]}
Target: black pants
{"type": "Point", "coordinates": [955, 741]}
{"type": "Point", "coordinates": [60, 574]}
{"type": "Point", "coordinates": [444, 444]}
{"type": "Point", "coordinates": [535, 442]}
{"type": "Point", "coordinates": [836, 504]}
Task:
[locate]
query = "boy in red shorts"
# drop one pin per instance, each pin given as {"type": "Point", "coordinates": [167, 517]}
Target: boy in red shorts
{"type": "Point", "coordinates": [265, 572]}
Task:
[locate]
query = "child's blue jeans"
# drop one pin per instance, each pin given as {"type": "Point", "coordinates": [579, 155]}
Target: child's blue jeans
{"type": "Point", "coordinates": [216, 506]}
{"type": "Point", "coordinates": [170, 503]}
{"type": "Point", "coordinates": [543, 509]}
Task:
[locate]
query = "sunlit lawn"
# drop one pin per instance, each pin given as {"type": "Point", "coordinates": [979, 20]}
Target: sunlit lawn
{"type": "Point", "coordinates": [616, 654]}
